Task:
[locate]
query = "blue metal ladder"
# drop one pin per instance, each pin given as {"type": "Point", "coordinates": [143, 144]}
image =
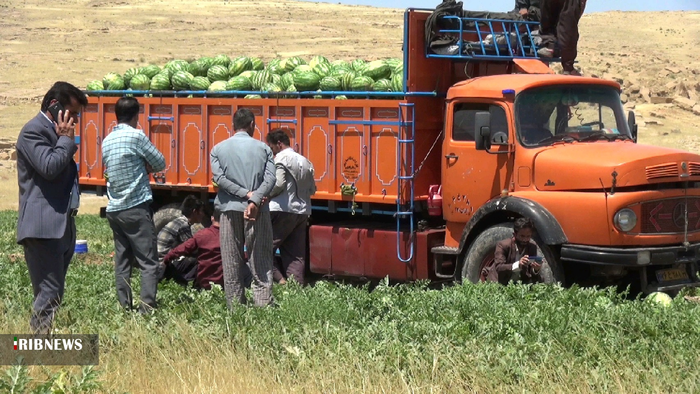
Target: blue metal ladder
{"type": "Point", "coordinates": [406, 144]}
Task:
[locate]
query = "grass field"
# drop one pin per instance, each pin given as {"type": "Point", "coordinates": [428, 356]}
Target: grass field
{"type": "Point", "coordinates": [341, 338]}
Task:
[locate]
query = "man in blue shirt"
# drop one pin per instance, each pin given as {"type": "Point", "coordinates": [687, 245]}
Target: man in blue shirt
{"type": "Point", "coordinates": [244, 171]}
{"type": "Point", "coordinates": [128, 156]}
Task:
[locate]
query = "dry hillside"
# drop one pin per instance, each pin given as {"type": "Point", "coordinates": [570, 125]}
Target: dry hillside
{"type": "Point", "coordinates": [653, 54]}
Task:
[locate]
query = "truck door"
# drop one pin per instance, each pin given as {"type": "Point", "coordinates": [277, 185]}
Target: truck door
{"type": "Point", "coordinates": [471, 177]}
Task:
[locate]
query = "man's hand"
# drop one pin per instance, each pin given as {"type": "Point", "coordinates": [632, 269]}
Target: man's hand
{"type": "Point", "coordinates": [523, 11]}
{"type": "Point", "coordinates": [65, 126]}
{"type": "Point", "coordinates": [249, 195]}
{"type": "Point", "coordinates": [524, 261]}
{"type": "Point", "coordinates": [251, 212]}
{"type": "Point", "coordinates": [535, 267]}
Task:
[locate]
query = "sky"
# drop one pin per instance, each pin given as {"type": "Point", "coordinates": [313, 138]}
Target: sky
{"type": "Point", "coordinates": [506, 5]}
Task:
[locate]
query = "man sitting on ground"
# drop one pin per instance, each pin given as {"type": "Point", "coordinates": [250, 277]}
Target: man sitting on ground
{"type": "Point", "coordinates": [205, 247]}
{"type": "Point", "coordinates": [513, 257]}
{"type": "Point", "coordinates": [175, 233]}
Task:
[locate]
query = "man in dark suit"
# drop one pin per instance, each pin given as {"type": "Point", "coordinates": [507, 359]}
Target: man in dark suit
{"type": "Point", "coordinates": [513, 256]}
{"type": "Point", "coordinates": [48, 198]}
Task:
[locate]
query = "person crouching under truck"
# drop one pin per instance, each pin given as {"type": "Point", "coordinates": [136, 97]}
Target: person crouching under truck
{"type": "Point", "coordinates": [516, 258]}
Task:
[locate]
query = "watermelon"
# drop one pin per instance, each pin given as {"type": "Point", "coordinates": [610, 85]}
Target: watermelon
{"type": "Point", "coordinates": [331, 83]}
{"type": "Point", "coordinates": [160, 82]}
{"type": "Point", "coordinates": [357, 65]}
{"type": "Point", "coordinates": [316, 60]}
{"type": "Point", "coordinates": [393, 62]}
{"type": "Point", "coordinates": [271, 87]}
{"type": "Point", "coordinates": [291, 88]}
{"type": "Point", "coordinates": [128, 74]}
{"type": "Point", "coordinates": [341, 97]}
{"type": "Point", "coordinates": [238, 65]}
{"type": "Point", "coordinates": [318, 96]}
{"type": "Point", "coordinates": [95, 85]}
{"type": "Point", "coordinates": [248, 74]}
{"type": "Point", "coordinates": [198, 68]}
{"type": "Point", "coordinates": [217, 86]}
{"type": "Point", "coordinates": [253, 96]}
{"type": "Point", "coordinates": [116, 84]}
{"type": "Point", "coordinates": [257, 64]}
{"type": "Point", "coordinates": [340, 64]}
{"type": "Point", "coordinates": [377, 69]}
{"type": "Point", "coordinates": [177, 65]}
{"type": "Point", "coordinates": [200, 83]}
{"type": "Point", "coordinates": [292, 63]}
{"type": "Point", "coordinates": [239, 83]}
{"type": "Point", "coordinates": [165, 71]}
{"type": "Point", "coordinates": [275, 67]}
{"type": "Point", "coordinates": [261, 78]}
{"type": "Point", "coordinates": [150, 71]}
{"type": "Point", "coordinates": [181, 80]}
{"type": "Point", "coordinates": [111, 77]}
{"type": "Point", "coordinates": [323, 69]}
{"type": "Point", "coordinates": [277, 79]}
{"type": "Point", "coordinates": [397, 83]}
{"type": "Point", "coordinates": [361, 84]}
{"type": "Point", "coordinates": [397, 70]}
{"type": "Point", "coordinates": [221, 60]}
{"type": "Point", "coordinates": [305, 79]}
{"type": "Point", "coordinates": [346, 80]}
{"type": "Point", "coordinates": [217, 73]}
{"type": "Point", "coordinates": [382, 85]}
{"type": "Point", "coordinates": [207, 61]}
{"type": "Point", "coordinates": [140, 82]}
{"type": "Point", "coordinates": [287, 80]}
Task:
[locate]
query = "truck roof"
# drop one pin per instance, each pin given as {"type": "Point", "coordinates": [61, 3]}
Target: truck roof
{"type": "Point", "coordinates": [492, 86]}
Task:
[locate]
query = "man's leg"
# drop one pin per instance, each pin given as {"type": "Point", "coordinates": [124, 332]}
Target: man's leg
{"type": "Point", "coordinates": [259, 233]}
{"type": "Point", "coordinates": [232, 237]}
{"type": "Point", "coordinates": [281, 227]}
{"type": "Point", "coordinates": [567, 32]}
{"type": "Point", "coordinates": [47, 271]}
{"type": "Point", "coordinates": [68, 247]}
{"type": "Point", "coordinates": [549, 19]}
{"type": "Point", "coordinates": [184, 271]}
{"type": "Point", "coordinates": [293, 249]}
{"type": "Point", "coordinates": [123, 261]}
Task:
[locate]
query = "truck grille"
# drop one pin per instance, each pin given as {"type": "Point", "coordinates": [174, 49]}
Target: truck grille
{"type": "Point", "coordinates": [693, 169]}
{"type": "Point", "coordinates": [662, 171]}
{"type": "Point", "coordinates": [668, 216]}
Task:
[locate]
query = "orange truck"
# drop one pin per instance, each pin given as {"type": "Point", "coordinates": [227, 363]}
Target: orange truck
{"type": "Point", "coordinates": [423, 183]}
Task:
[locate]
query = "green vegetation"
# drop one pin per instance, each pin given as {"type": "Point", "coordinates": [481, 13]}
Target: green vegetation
{"type": "Point", "coordinates": [340, 338]}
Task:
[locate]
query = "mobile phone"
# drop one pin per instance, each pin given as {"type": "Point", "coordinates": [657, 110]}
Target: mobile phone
{"type": "Point", "coordinates": [535, 258]}
{"type": "Point", "coordinates": [53, 110]}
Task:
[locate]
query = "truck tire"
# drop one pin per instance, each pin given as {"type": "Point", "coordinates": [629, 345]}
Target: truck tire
{"type": "Point", "coordinates": [481, 255]}
{"type": "Point", "coordinates": [165, 214]}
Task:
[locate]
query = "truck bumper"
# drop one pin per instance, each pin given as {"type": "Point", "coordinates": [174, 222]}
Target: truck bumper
{"type": "Point", "coordinates": [653, 263]}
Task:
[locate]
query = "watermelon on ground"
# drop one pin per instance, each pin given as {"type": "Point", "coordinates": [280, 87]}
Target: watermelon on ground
{"type": "Point", "coordinates": [217, 73]}
{"type": "Point", "coordinates": [181, 80]}
{"type": "Point", "coordinates": [200, 83]}
{"type": "Point", "coordinates": [140, 82]}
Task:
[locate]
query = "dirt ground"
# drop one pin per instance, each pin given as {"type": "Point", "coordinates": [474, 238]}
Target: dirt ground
{"type": "Point", "coordinates": [653, 55]}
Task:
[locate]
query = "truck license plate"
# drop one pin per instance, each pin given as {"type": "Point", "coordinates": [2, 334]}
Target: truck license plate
{"type": "Point", "coordinates": [672, 275]}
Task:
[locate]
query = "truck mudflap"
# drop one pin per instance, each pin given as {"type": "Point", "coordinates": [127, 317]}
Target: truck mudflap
{"type": "Point", "coordinates": [666, 268]}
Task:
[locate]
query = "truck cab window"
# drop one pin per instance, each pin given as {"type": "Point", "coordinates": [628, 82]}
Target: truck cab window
{"type": "Point", "coordinates": [463, 121]}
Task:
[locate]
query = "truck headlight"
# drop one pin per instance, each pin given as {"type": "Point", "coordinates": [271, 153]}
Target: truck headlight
{"type": "Point", "coordinates": [625, 219]}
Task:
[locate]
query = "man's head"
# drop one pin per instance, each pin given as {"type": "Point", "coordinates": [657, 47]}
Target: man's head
{"type": "Point", "coordinates": [193, 209]}
{"type": "Point", "coordinates": [522, 230]}
{"type": "Point", "coordinates": [278, 140]}
{"type": "Point", "coordinates": [244, 120]}
{"type": "Point", "coordinates": [215, 217]}
{"type": "Point", "coordinates": [70, 97]}
{"type": "Point", "coordinates": [127, 111]}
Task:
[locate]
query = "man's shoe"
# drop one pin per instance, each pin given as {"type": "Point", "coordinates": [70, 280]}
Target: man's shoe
{"type": "Point", "coordinates": [573, 72]}
{"type": "Point", "coordinates": [545, 52]}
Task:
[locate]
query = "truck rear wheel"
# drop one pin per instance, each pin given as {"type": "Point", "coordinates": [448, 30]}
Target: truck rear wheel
{"type": "Point", "coordinates": [481, 255]}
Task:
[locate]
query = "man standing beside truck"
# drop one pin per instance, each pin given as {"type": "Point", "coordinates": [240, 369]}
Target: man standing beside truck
{"type": "Point", "coordinates": [244, 172]}
{"type": "Point", "coordinates": [128, 157]}
{"type": "Point", "coordinates": [290, 206]}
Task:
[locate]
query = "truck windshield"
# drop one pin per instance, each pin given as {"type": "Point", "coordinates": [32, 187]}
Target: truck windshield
{"type": "Point", "coordinates": [580, 113]}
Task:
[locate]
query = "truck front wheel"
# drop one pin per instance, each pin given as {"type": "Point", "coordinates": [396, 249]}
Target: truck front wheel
{"type": "Point", "coordinates": [481, 255]}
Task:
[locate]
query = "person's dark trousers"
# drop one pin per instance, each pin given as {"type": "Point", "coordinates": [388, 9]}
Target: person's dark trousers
{"type": "Point", "coordinates": [289, 235]}
{"type": "Point", "coordinates": [182, 271]}
{"type": "Point", "coordinates": [135, 243]}
{"type": "Point", "coordinates": [559, 28]}
{"type": "Point", "coordinates": [47, 262]}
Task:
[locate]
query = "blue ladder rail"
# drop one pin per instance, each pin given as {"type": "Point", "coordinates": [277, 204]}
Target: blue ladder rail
{"type": "Point", "coordinates": [516, 34]}
{"type": "Point", "coordinates": [406, 142]}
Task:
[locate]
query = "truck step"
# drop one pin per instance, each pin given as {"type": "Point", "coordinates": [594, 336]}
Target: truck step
{"type": "Point", "coordinates": [450, 250]}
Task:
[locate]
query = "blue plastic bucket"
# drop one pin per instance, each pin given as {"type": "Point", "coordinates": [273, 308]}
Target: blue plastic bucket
{"type": "Point", "coordinates": [81, 246]}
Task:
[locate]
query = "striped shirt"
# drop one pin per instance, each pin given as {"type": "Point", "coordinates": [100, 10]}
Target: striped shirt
{"type": "Point", "coordinates": [176, 232]}
{"type": "Point", "coordinates": [125, 153]}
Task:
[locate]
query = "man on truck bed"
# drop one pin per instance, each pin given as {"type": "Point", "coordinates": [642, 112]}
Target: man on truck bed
{"type": "Point", "coordinates": [244, 171]}
{"type": "Point", "coordinates": [128, 156]}
{"type": "Point", "coordinates": [559, 31]}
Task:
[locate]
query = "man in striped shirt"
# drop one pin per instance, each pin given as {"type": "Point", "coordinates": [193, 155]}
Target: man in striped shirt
{"type": "Point", "coordinates": [176, 232]}
{"type": "Point", "coordinates": [128, 157]}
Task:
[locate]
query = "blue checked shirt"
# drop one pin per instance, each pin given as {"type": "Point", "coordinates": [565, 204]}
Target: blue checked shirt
{"type": "Point", "coordinates": [125, 153]}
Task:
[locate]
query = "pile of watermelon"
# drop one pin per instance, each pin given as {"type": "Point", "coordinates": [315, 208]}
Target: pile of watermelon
{"type": "Point", "coordinates": [251, 74]}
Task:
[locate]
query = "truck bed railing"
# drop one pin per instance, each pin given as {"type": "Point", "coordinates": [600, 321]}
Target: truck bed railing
{"type": "Point", "coordinates": [243, 93]}
{"type": "Point", "coordinates": [490, 39]}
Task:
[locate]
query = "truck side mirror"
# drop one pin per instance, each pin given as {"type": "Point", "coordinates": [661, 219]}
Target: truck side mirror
{"type": "Point", "coordinates": [482, 127]}
{"type": "Point", "coordinates": [632, 122]}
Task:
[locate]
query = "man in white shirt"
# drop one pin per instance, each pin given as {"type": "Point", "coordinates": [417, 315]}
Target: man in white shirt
{"type": "Point", "coordinates": [290, 207]}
